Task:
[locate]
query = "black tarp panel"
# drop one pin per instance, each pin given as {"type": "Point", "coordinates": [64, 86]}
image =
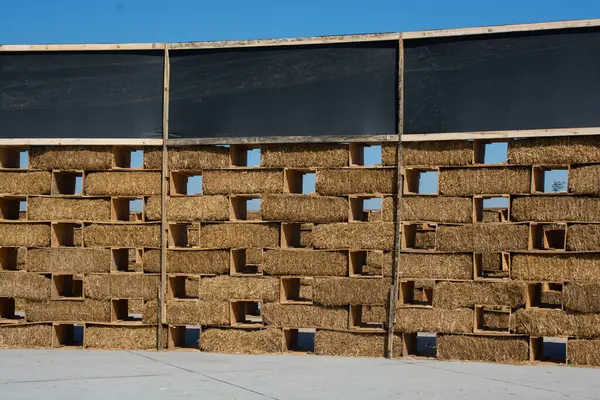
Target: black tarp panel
{"type": "Point", "coordinates": [81, 94]}
{"type": "Point", "coordinates": [503, 82]}
{"type": "Point", "coordinates": [342, 89]}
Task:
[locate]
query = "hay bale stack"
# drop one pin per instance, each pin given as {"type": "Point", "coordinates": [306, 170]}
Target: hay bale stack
{"type": "Point", "coordinates": [373, 314]}
{"type": "Point", "coordinates": [338, 182]}
{"type": "Point", "coordinates": [244, 341]}
{"type": "Point", "coordinates": [585, 179]}
{"type": "Point", "coordinates": [361, 235]}
{"type": "Point", "coordinates": [226, 287]}
{"type": "Point", "coordinates": [346, 344]}
{"type": "Point", "coordinates": [583, 352]}
{"type": "Point", "coordinates": [68, 260]}
{"type": "Point", "coordinates": [198, 312]}
{"type": "Point", "coordinates": [434, 320]}
{"type": "Point", "coordinates": [556, 267]}
{"type": "Point", "coordinates": [152, 157]}
{"type": "Point", "coordinates": [304, 208]}
{"type": "Point", "coordinates": [437, 209]}
{"type": "Point", "coordinates": [25, 336]}
{"type": "Point", "coordinates": [70, 157]}
{"type": "Point", "coordinates": [555, 208]}
{"type": "Point", "coordinates": [120, 337]}
{"type": "Point", "coordinates": [106, 286]}
{"type": "Point", "coordinates": [197, 208]}
{"type": "Point", "coordinates": [305, 262]}
{"type": "Point", "coordinates": [239, 235]}
{"type": "Point", "coordinates": [379, 262]}
{"type": "Point", "coordinates": [57, 209]}
{"type": "Point", "coordinates": [24, 234]}
{"type": "Point", "coordinates": [189, 262]}
{"type": "Point", "coordinates": [150, 313]}
{"type": "Point", "coordinates": [304, 155]}
{"type": "Point", "coordinates": [84, 311]}
{"type": "Point", "coordinates": [554, 150]}
{"type": "Point", "coordinates": [123, 183]}
{"type": "Point", "coordinates": [28, 182]}
{"type": "Point", "coordinates": [451, 295]}
{"type": "Point", "coordinates": [25, 285]}
{"type": "Point", "coordinates": [445, 153]}
{"type": "Point", "coordinates": [583, 237]}
{"type": "Point", "coordinates": [483, 237]}
{"type": "Point", "coordinates": [503, 349]}
{"type": "Point", "coordinates": [304, 316]}
{"type": "Point", "coordinates": [555, 323]}
{"type": "Point", "coordinates": [122, 235]}
{"type": "Point", "coordinates": [350, 291]}
{"type": "Point", "coordinates": [470, 181]}
{"type": "Point", "coordinates": [242, 182]}
{"type": "Point", "coordinates": [582, 297]}
{"type": "Point", "coordinates": [198, 157]}
{"type": "Point", "coordinates": [389, 154]}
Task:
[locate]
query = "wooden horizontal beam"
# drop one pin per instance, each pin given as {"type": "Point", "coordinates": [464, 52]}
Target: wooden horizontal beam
{"type": "Point", "coordinates": [282, 139]}
{"type": "Point", "coordinates": [80, 142]}
{"type": "Point", "coordinates": [586, 23]}
{"type": "Point", "coordinates": [81, 47]}
{"type": "Point", "coordinates": [532, 133]}
{"type": "Point", "coordinates": [371, 37]}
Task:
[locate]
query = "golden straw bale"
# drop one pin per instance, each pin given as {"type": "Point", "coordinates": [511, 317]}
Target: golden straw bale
{"type": "Point", "coordinates": [152, 157]}
{"type": "Point", "coordinates": [554, 150]}
{"type": "Point", "coordinates": [350, 291]}
{"type": "Point", "coordinates": [150, 312]}
{"type": "Point", "coordinates": [23, 336]}
{"type": "Point", "coordinates": [25, 285]}
{"type": "Point", "coordinates": [336, 182]}
{"type": "Point", "coordinates": [503, 349]}
{"type": "Point", "coordinates": [254, 256]}
{"type": "Point", "coordinates": [70, 157]}
{"type": "Point", "coordinates": [443, 153]}
{"type": "Point", "coordinates": [483, 237]}
{"type": "Point", "coordinates": [106, 286]}
{"type": "Point", "coordinates": [470, 181]}
{"type": "Point", "coordinates": [122, 235]}
{"type": "Point", "coordinates": [239, 235]}
{"type": "Point", "coordinates": [198, 157]}
{"type": "Point", "coordinates": [303, 155]}
{"type": "Point", "coordinates": [245, 341]}
{"type": "Point", "coordinates": [555, 208]}
{"type": "Point", "coordinates": [358, 235]}
{"type": "Point", "coordinates": [585, 179]}
{"type": "Point", "coordinates": [583, 237]}
{"type": "Point", "coordinates": [346, 344]}
{"type": "Point", "coordinates": [304, 316]}
{"type": "Point", "coordinates": [556, 267]}
{"type": "Point", "coordinates": [123, 183]}
{"type": "Point", "coordinates": [120, 337]}
{"type": "Point", "coordinates": [27, 182]}
{"type": "Point", "coordinates": [197, 312]}
{"type": "Point", "coordinates": [226, 288]}
{"type": "Point", "coordinates": [434, 320]}
{"type": "Point", "coordinates": [389, 154]}
{"type": "Point", "coordinates": [495, 319]}
{"type": "Point", "coordinates": [25, 234]}
{"type": "Point", "coordinates": [582, 297]}
{"type": "Point", "coordinates": [437, 209]}
{"type": "Point", "coordinates": [304, 208]}
{"type": "Point", "coordinates": [242, 181]}
{"type": "Point", "coordinates": [425, 239]}
{"type": "Point", "coordinates": [68, 260]}
{"type": "Point", "coordinates": [555, 323]}
{"type": "Point", "coordinates": [305, 262]}
{"type": "Point", "coordinates": [583, 352]}
{"type": "Point", "coordinates": [197, 208]}
{"type": "Point", "coordinates": [451, 295]}
{"type": "Point", "coordinates": [84, 311]}
{"type": "Point", "coordinates": [373, 314]}
{"type": "Point", "coordinates": [57, 209]}
{"type": "Point", "coordinates": [189, 262]}
{"type": "Point", "coordinates": [379, 262]}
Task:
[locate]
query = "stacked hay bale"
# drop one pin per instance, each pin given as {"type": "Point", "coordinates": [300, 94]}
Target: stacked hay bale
{"type": "Point", "coordinates": [80, 261]}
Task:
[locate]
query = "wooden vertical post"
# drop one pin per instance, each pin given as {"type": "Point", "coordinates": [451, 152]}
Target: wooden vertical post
{"type": "Point", "coordinates": [397, 217]}
{"type": "Point", "coordinates": [161, 317]}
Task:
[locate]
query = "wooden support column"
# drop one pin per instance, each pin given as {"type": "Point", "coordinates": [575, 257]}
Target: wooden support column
{"type": "Point", "coordinates": [391, 320]}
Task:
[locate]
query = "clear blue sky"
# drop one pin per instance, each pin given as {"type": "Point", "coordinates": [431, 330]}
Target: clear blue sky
{"type": "Point", "coordinates": [104, 21]}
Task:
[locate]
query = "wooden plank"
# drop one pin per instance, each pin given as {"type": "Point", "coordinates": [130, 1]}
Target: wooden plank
{"type": "Point", "coordinates": [502, 29]}
{"type": "Point", "coordinates": [283, 139]}
{"type": "Point", "coordinates": [80, 142]}
{"type": "Point", "coordinates": [371, 37]}
{"type": "Point", "coordinates": [532, 133]}
{"type": "Point", "coordinates": [81, 47]}
{"type": "Point", "coordinates": [397, 218]}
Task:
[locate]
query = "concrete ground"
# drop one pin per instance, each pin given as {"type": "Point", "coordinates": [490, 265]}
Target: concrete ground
{"type": "Point", "coordinates": [86, 374]}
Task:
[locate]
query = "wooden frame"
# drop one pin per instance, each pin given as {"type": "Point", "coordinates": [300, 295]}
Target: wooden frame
{"type": "Point", "coordinates": [63, 335]}
{"type": "Point", "coordinates": [67, 287]}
